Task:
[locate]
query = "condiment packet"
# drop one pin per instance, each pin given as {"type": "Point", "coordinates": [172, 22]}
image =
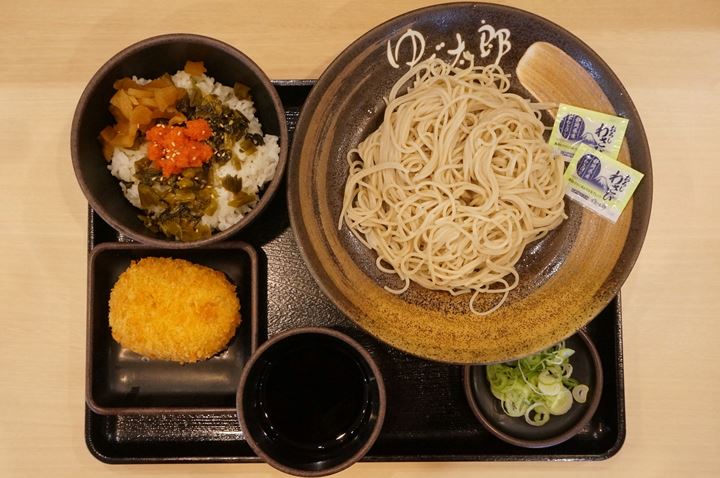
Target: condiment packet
{"type": "Point", "coordinates": [575, 126]}
{"type": "Point", "coordinates": [599, 182]}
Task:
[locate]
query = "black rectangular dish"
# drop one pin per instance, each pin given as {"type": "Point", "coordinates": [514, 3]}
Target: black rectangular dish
{"type": "Point", "coordinates": [122, 382]}
{"type": "Point", "coordinates": [428, 418]}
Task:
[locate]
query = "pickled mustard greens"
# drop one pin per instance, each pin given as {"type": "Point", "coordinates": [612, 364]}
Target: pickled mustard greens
{"type": "Point", "coordinates": [228, 125]}
{"type": "Point", "coordinates": [178, 202]}
{"type": "Point", "coordinates": [234, 185]}
{"type": "Point", "coordinates": [537, 386]}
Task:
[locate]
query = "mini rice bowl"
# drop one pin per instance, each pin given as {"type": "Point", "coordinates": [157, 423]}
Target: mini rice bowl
{"type": "Point", "coordinates": [256, 169]}
{"type": "Point", "coordinates": [152, 58]}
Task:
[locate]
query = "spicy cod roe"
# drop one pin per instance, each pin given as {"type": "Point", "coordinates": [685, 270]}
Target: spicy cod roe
{"type": "Point", "coordinates": [174, 148]}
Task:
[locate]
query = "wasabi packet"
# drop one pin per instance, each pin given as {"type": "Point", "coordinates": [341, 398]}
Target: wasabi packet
{"type": "Point", "coordinates": [575, 126]}
{"type": "Point", "coordinates": [600, 183]}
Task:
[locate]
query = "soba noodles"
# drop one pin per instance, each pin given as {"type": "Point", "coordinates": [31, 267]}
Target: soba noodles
{"type": "Point", "coordinates": [455, 183]}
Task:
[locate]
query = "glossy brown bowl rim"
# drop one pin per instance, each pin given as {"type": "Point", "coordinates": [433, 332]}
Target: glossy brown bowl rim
{"type": "Point", "coordinates": [253, 320]}
{"type": "Point", "coordinates": [489, 424]}
{"type": "Point", "coordinates": [382, 400]}
{"type": "Point", "coordinates": [170, 38]}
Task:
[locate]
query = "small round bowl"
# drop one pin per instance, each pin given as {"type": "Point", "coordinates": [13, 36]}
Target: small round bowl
{"type": "Point", "coordinates": [151, 58]}
{"type": "Point", "coordinates": [587, 369]}
{"type": "Point", "coordinates": [311, 401]}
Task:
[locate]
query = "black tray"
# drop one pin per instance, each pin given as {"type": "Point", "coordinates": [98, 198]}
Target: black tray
{"type": "Point", "coordinates": [428, 418]}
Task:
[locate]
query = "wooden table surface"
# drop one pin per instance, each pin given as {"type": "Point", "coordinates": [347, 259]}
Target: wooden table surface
{"type": "Point", "coordinates": [666, 53]}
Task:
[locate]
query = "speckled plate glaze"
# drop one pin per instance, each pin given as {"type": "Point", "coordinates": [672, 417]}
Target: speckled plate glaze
{"type": "Point", "coordinates": [565, 279]}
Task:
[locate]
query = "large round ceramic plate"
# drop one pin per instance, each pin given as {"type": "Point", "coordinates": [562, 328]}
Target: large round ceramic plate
{"type": "Point", "coordinates": [566, 278]}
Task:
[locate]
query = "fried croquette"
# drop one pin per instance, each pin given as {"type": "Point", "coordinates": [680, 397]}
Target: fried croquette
{"type": "Point", "coordinates": [172, 309]}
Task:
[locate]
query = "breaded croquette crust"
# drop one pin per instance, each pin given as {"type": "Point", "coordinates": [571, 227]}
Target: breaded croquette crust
{"type": "Point", "coordinates": [172, 309]}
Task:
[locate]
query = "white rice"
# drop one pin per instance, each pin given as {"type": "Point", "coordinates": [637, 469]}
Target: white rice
{"type": "Point", "coordinates": [257, 168]}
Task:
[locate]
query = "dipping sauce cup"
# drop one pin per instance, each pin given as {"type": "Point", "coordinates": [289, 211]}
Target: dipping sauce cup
{"type": "Point", "coordinates": [311, 401]}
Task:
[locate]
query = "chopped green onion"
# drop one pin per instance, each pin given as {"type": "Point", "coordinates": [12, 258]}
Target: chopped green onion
{"type": "Point", "coordinates": [561, 402]}
{"type": "Point", "coordinates": [580, 392]}
{"type": "Point", "coordinates": [541, 415]}
{"type": "Point", "coordinates": [537, 386]}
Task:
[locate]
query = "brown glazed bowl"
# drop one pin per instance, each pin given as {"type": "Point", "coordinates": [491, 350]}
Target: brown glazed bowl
{"type": "Point", "coordinates": [151, 58]}
{"type": "Point", "coordinates": [304, 413]}
{"type": "Point", "coordinates": [587, 369]}
{"type": "Point", "coordinates": [566, 278]}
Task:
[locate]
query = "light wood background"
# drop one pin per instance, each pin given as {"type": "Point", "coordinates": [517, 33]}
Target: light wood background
{"type": "Point", "coordinates": [667, 54]}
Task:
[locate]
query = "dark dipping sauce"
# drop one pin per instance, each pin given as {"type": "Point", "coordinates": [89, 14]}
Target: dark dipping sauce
{"type": "Point", "coordinates": [313, 395]}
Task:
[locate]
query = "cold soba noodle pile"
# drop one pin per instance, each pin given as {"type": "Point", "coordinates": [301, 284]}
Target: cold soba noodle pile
{"type": "Point", "coordinates": [455, 182]}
